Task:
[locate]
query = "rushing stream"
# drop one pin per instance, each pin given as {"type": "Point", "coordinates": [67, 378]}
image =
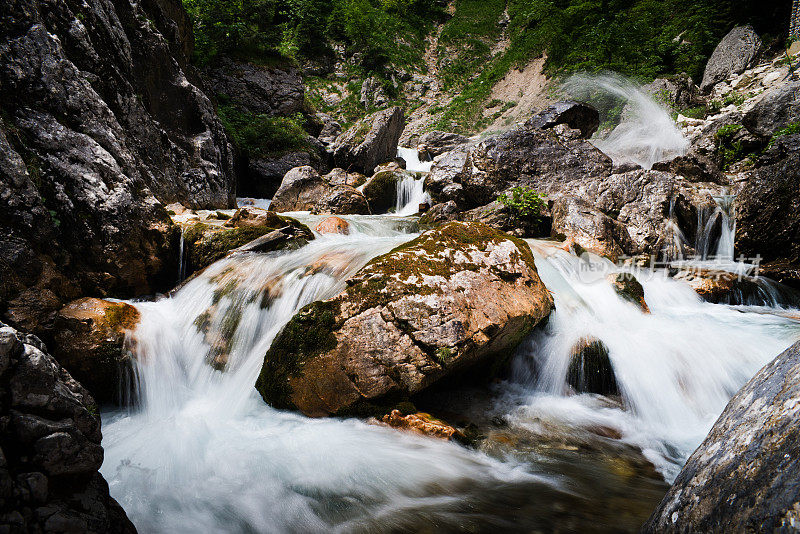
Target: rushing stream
{"type": "Point", "coordinates": [200, 451]}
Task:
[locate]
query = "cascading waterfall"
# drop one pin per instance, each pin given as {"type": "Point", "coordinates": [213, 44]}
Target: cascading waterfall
{"type": "Point", "coordinates": [410, 190]}
{"type": "Point", "coordinates": [646, 134]}
{"type": "Point", "coordinates": [202, 452]}
{"type": "Point", "coordinates": [181, 261]}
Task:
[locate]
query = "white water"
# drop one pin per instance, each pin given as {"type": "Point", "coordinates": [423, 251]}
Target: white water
{"type": "Point", "coordinates": [647, 133]}
{"type": "Point", "coordinates": [410, 190]}
{"type": "Point", "coordinates": [202, 452]}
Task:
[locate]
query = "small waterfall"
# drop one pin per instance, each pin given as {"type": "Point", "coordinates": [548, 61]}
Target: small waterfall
{"type": "Point", "coordinates": [411, 157]}
{"type": "Point", "coordinates": [181, 260]}
{"type": "Point", "coordinates": [727, 211]}
{"type": "Point", "coordinates": [646, 134]}
{"type": "Point", "coordinates": [411, 189]}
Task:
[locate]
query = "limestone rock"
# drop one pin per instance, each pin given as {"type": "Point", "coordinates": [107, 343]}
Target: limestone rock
{"type": "Point", "coordinates": [437, 142]}
{"type": "Point", "coordinates": [459, 296]}
{"type": "Point", "coordinates": [50, 446]}
{"type": "Point", "coordinates": [301, 189]}
{"type": "Point", "coordinates": [370, 142]}
{"type": "Point", "coordinates": [333, 225]}
{"type": "Point", "coordinates": [733, 55]}
{"type": "Point", "coordinates": [576, 115]}
{"type": "Point", "coordinates": [342, 200]}
{"type": "Point", "coordinates": [590, 228]}
{"type": "Point", "coordinates": [742, 478]}
{"type": "Point", "coordinates": [775, 110]}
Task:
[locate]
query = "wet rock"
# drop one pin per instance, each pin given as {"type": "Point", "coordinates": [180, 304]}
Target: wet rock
{"type": "Point", "coordinates": [440, 213]}
{"type": "Point", "coordinates": [741, 478]}
{"type": "Point", "coordinates": [457, 298]}
{"type": "Point", "coordinates": [288, 237]}
{"type": "Point", "coordinates": [501, 217]}
{"type": "Point", "coordinates": [50, 446]}
{"type": "Point", "coordinates": [693, 166]}
{"type": "Point", "coordinates": [628, 287]}
{"type": "Point", "coordinates": [90, 344]}
{"type": "Point", "coordinates": [381, 190]}
{"type": "Point", "coordinates": [736, 52]}
{"type": "Point", "coordinates": [769, 202]}
{"type": "Point", "coordinates": [590, 369]}
{"type": "Point", "coordinates": [420, 423]}
{"type": "Point", "coordinates": [301, 189]}
{"type": "Point", "coordinates": [590, 228]}
{"type": "Point", "coordinates": [102, 104]}
{"type": "Point", "coordinates": [437, 142]}
{"type": "Point", "coordinates": [576, 115]}
{"type": "Point", "coordinates": [271, 90]}
{"type": "Point", "coordinates": [333, 225]}
{"type": "Point", "coordinates": [370, 142]}
{"type": "Point", "coordinates": [719, 286]}
{"type": "Point", "coordinates": [342, 200]}
{"type": "Point", "coordinates": [775, 110]}
{"type": "Point", "coordinates": [443, 183]}
{"type": "Point", "coordinates": [249, 216]}
{"type": "Point", "coordinates": [207, 243]}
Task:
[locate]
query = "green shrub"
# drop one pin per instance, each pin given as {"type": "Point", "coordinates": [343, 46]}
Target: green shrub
{"type": "Point", "coordinates": [258, 135]}
{"type": "Point", "coordinates": [523, 202]}
{"type": "Point", "coordinates": [728, 150]}
{"type": "Point", "coordinates": [791, 129]}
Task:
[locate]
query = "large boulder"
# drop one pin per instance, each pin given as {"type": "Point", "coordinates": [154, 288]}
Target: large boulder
{"type": "Point", "coordinates": [775, 110]}
{"type": "Point", "coordinates": [301, 189]}
{"type": "Point", "coordinates": [102, 124]}
{"type": "Point", "coordinates": [769, 203]}
{"type": "Point", "coordinates": [437, 142]}
{"type": "Point", "coordinates": [576, 115]}
{"type": "Point", "coordinates": [458, 297]}
{"type": "Point", "coordinates": [271, 90]}
{"type": "Point", "coordinates": [342, 200]}
{"type": "Point", "coordinates": [261, 176]}
{"type": "Point", "coordinates": [582, 223]}
{"type": "Point", "coordinates": [90, 344]}
{"type": "Point", "coordinates": [50, 446]}
{"type": "Point", "coordinates": [503, 218]}
{"type": "Point", "coordinates": [370, 142]}
{"type": "Point", "coordinates": [381, 190]}
{"type": "Point", "coordinates": [733, 55]}
{"type": "Point", "coordinates": [743, 477]}
{"type": "Point", "coordinates": [528, 156]}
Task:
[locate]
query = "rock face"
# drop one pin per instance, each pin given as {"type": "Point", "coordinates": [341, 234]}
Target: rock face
{"type": "Point", "coordinates": [276, 90]}
{"type": "Point", "coordinates": [777, 109]}
{"type": "Point", "coordinates": [51, 453]}
{"type": "Point", "coordinates": [101, 121]}
{"type": "Point", "coordinates": [90, 343]}
{"type": "Point", "coordinates": [768, 204]}
{"type": "Point", "coordinates": [460, 296]}
{"type": "Point", "coordinates": [261, 177]}
{"type": "Point", "coordinates": [733, 55]}
{"type": "Point", "coordinates": [370, 142]}
{"type": "Point", "coordinates": [742, 478]}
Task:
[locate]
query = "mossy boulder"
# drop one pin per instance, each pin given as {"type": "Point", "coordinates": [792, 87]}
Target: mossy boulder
{"type": "Point", "coordinates": [90, 343]}
{"type": "Point", "coordinates": [206, 243]}
{"type": "Point", "coordinates": [628, 288]}
{"type": "Point", "coordinates": [590, 369]}
{"type": "Point", "coordinates": [381, 190]}
{"type": "Point", "coordinates": [457, 298]}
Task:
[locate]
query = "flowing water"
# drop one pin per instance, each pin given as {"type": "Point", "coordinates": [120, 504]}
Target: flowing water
{"type": "Point", "coordinates": [645, 133]}
{"type": "Point", "coordinates": [201, 452]}
{"type": "Point", "coordinates": [410, 190]}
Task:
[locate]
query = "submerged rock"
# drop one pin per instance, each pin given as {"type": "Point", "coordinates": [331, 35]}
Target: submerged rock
{"type": "Point", "coordinates": [421, 423]}
{"type": "Point", "coordinates": [719, 286]}
{"type": "Point", "coordinates": [90, 343]}
{"type": "Point", "coordinates": [457, 297]}
{"type": "Point", "coordinates": [370, 142]}
{"type": "Point", "coordinates": [333, 225]}
{"type": "Point", "coordinates": [50, 446]}
{"type": "Point", "coordinates": [590, 369]}
{"type": "Point", "coordinates": [628, 287]}
{"type": "Point", "coordinates": [743, 477]}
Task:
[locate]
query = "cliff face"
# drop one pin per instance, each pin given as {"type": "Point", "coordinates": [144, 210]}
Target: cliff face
{"type": "Point", "coordinates": [101, 125]}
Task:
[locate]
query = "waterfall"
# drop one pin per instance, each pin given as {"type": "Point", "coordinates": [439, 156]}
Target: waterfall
{"type": "Point", "coordinates": [181, 260]}
{"type": "Point", "coordinates": [411, 189]}
{"type": "Point", "coordinates": [646, 133]}
{"type": "Point", "coordinates": [201, 452]}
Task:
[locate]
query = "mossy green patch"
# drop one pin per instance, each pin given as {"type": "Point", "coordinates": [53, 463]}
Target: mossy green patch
{"type": "Point", "coordinates": [308, 334]}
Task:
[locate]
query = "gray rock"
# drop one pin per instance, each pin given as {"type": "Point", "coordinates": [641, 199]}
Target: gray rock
{"type": "Point", "coordinates": [264, 175]}
{"type": "Point", "coordinates": [776, 109]}
{"type": "Point", "coordinates": [679, 92]}
{"type": "Point", "coordinates": [590, 228]}
{"type": "Point", "coordinates": [736, 52]}
{"type": "Point", "coordinates": [743, 477]}
{"type": "Point", "coordinates": [576, 115]}
{"type": "Point", "coordinates": [440, 213]}
{"type": "Point", "coordinates": [112, 126]}
{"type": "Point", "coordinates": [370, 142]}
{"type": "Point", "coordinates": [372, 94]}
{"type": "Point", "coordinates": [437, 142]}
{"type": "Point", "coordinates": [342, 200]}
{"type": "Point", "coordinates": [330, 129]}
{"type": "Point", "coordinates": [301, 189]}
{"type": "Point", "coordinates": [51, 445]}
{"type": "Point", "coordinates": [274, 90]}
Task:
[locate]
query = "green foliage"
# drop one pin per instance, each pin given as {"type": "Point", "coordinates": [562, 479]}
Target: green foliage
{"type": "Point", "coordinates": [258, 135]}
{"type": "Point", "coordinates": [728, 150]}
{"type": "Point", "coordinates": [523, 202]}
{"type": "Point", "coordinates": [55, 219]}
{"type": "Point", "coordinates": [791, 129]}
